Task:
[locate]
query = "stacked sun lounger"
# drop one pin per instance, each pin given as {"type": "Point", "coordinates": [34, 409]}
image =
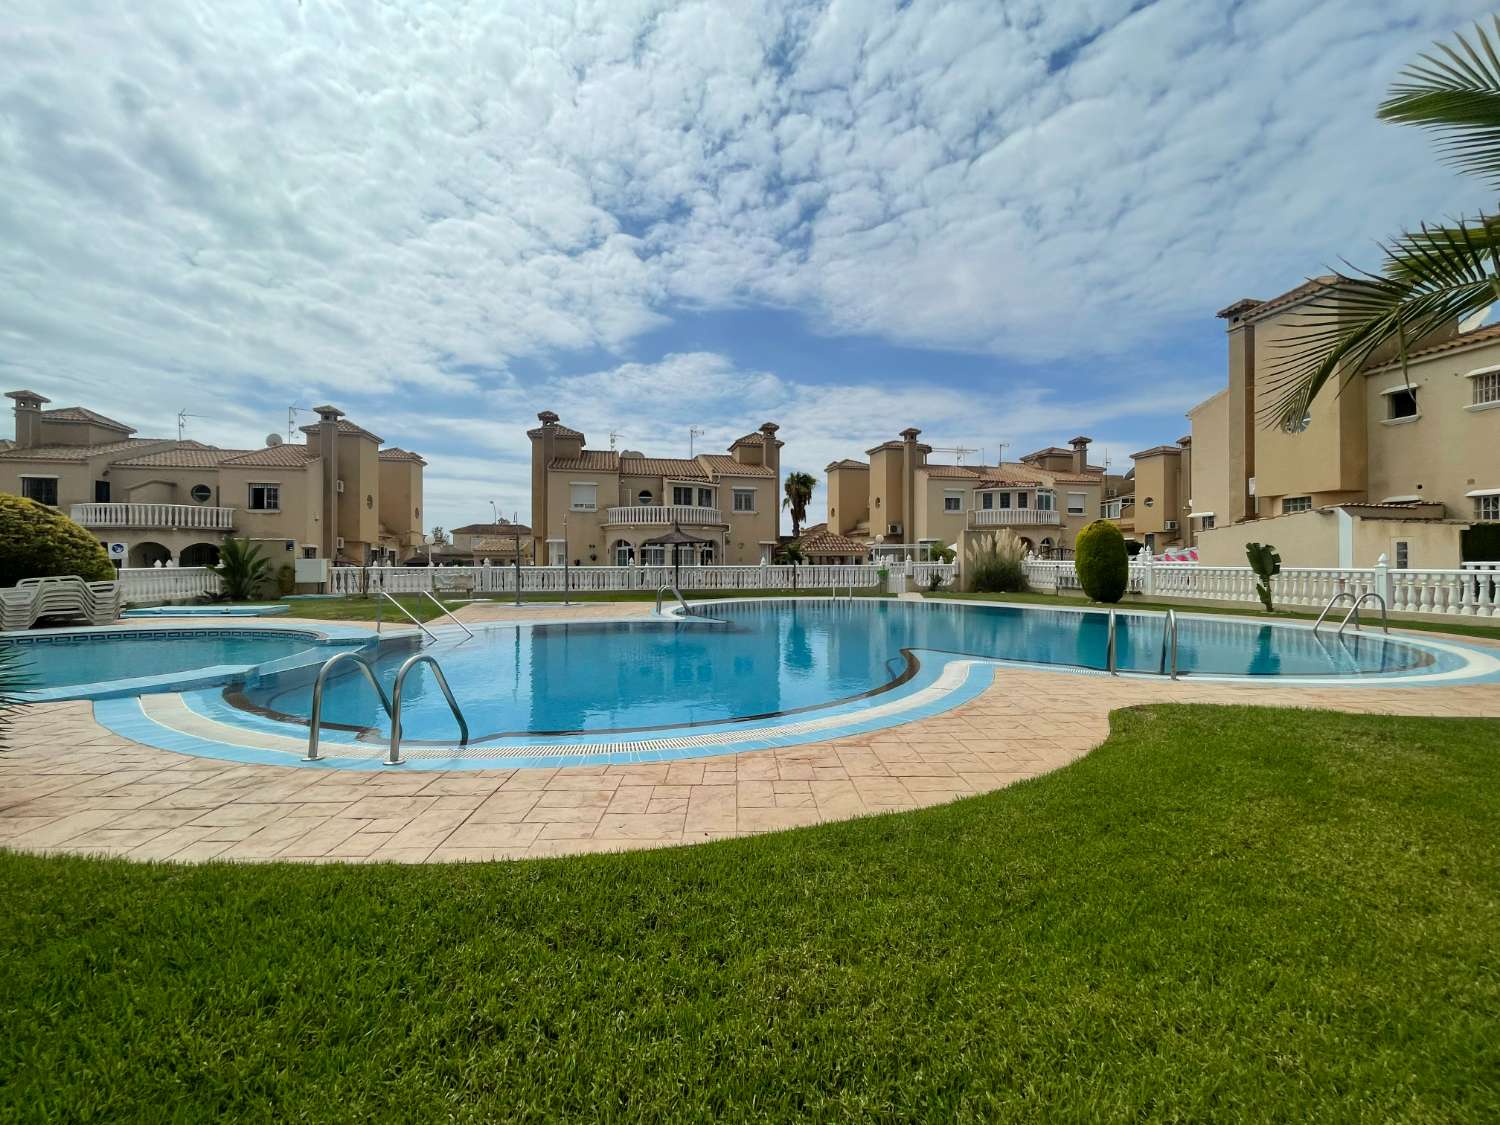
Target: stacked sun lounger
{"type": "Point", "coordinates": [64, 596]}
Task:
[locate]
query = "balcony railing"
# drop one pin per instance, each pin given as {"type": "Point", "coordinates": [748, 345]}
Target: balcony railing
{"type": "Point", "coordinates": [664, 514]}
{"type": "Point", "coordinates": [197, 517]}
{"type": "Point", "coordinates": [1011, 517]}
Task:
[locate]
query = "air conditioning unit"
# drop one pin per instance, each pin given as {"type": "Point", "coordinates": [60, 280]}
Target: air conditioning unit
{"type": "Point", "coordinates": [338, 486]}
{"type": "Point", "coordinates": [1170, 525]}
{"type": "Point", "coordinates": [339, 542]}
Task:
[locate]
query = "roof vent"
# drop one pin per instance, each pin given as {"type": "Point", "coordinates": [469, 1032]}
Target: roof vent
{"type": "Point", "coordinates": [632, 454]}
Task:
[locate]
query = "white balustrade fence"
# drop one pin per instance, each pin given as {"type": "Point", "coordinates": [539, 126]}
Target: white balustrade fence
{"type": "Point", "coordinates": [166, 516]}
{"type": "Point", "coordinates": [622, 579]}
{"type": "Point", "coordinates": [1473, 590]}
{"type": "Point", "coordinates": [167, 583]}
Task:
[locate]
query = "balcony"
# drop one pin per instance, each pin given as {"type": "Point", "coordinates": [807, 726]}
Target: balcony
{"type": "Point", "coordinates": [1013, 517]}
{"type": "Point", "coordinates": [194, 517]}
{"type": "Point", "coordinates": [663, 515]}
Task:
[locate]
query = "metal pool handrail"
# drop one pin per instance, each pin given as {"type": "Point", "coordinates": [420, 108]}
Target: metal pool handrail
{"type": "Point", "coordinates": [1353, 613]}
{"type": "Point", "coordinates": [1333, 601]}
{"type": "Point", "coordinates": [1109, 647]}
{"type": "Point", "coordinates": [317, 699]}
{"type": "Point", "coordinates": [676, 593]}
{"type": "Point", "coordinates": [394, 757]}
{"type": "Point", "coordinates": [428, 595]}
{"type": "Point", "coordinates": [409, 617]}
{"type": "Point", "coordinates": [1168, 664]}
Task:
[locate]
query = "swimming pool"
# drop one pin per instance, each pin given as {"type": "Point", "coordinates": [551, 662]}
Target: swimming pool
{"type": "Point", "coordinates": [764, 658]}
{"type": "Point", "coordinates": [99, 663]}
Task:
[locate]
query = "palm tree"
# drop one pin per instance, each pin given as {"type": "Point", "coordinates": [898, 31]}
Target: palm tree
{"type": "Point", "coordinates": [799, 489]}
{"type": "Point", "coordinates": [242, 569]}
{"type": "Point", "coordinates": [1431, 278]}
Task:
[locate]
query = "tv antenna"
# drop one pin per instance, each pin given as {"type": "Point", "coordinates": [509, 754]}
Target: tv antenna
{"type": "Point", "coordinates": [614, 437]}
{"type": "Point", "coordinates": [959, 451]}
{"type": "Point", "coordinates": [694, 433]}
{"type": "Point", "coordinates": [1003, 445]}
{"type": "Point", "coordinates": [291, 420]}
{"type": "Point", "coordinates": [182, 417]}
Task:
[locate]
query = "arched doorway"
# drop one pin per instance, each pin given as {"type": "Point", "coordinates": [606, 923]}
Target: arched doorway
{"type": "Point", "coordinates": [199, 554]}
{"type": "Point", "coordinates": [622, 552]}
{"type": "Point", "coordinates": [149, 554]}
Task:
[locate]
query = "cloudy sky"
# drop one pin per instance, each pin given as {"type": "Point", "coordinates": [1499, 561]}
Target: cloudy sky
{"type": "Point", "coordinates": [997, 220]}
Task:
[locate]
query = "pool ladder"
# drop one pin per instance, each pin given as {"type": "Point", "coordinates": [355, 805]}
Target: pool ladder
{"type": "Point", "coordinates": [1168, 663]}
{"type": "Point", "coordinates": [1353, 614]}
{"type": "Point", "coordinates": [391, 705]}
{"type": "Point", "coordinates": [428, 595]}
{"type": "Point", "coordinates": [671, 588]}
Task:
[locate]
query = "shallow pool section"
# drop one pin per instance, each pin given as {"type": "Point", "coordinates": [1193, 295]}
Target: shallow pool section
{"type": "Point", "coordinates": [100, 663]}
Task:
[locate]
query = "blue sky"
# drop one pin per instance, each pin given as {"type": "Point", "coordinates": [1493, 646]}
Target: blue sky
{"type": "Point", "coordinates": [996, 221]}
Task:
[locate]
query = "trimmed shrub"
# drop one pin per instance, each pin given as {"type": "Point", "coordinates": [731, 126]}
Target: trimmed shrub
{"type": "Point", "coordinates": [1102, 562]}
{"type": "Point", "coordinates": [40, 542]}
{"type": "Point", "coordinates": [998, 568]}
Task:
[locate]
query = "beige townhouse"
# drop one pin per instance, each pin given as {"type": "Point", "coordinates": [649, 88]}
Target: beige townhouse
{"type": "Point", "coordinates": [593, 507]}
{"type": "Point", "coordinates": [474, 544]}
{"type": "Point", "coordinates": [339, 496]}
{"type": "Point", "coordinates": [1396, 463]}
{"type": "Point", "coordinates": [904, 505]}
{"type": "Point", "coordinates": [1150, 504]}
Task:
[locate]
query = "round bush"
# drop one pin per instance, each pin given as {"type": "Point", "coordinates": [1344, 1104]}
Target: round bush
{"type": "Point", "coordinates": [38, 542]}
{"type": "Point", "coordinates": [1103, 563]}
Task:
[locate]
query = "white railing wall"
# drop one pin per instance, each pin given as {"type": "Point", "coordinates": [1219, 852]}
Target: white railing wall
{"type": "Point", "coordinates": [623, 579]}
{"type": "Point", "coordinates": [167, 583]}
{"type": "Point", "coordinates": [1006, 517]}
{"type": "Point", "coordinates": [166, 516]}
{"type": "Point", "coordinates": [1470, 591]}
{"type": "Point", "coordinates": [654, 514]}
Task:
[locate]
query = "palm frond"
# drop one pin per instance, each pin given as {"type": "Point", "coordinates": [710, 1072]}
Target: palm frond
{"type": "Point", "coordinates": [1430, 280]}
{"type": "Point", "coordinates": [1456, 95]}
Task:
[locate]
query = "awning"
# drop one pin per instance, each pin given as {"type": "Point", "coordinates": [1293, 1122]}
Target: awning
{"type": "Point", "coordinates": [1200, 515]}
{"type": "Point", "coordinates": [1484, 492]}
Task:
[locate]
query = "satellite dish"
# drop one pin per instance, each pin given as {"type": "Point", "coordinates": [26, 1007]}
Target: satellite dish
{"type": "Point", "coordinates": [273, 439]}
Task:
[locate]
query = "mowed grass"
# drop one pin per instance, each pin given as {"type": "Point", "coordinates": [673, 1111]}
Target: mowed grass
{"type": "Point", "coordinates": [1233, 914]}
{"type": "Point", "coordinates": [1369, 615]}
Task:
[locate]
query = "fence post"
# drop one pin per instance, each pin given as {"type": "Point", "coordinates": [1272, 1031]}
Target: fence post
{"type": "Point", "coordinates": [1148, 575]}
{"type": "Point", "coordinates": [1383, 584]}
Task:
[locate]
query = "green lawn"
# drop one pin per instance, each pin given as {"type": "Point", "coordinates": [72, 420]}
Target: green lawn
{"type": "Point", "coordinates": [363, 609]}
{"type": "Point", "coordinates": [1232, 914]}
{"type": "Point", "coordinates": [1459, 626]}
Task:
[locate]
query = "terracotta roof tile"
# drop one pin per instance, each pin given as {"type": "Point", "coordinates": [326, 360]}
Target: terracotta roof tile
{"type": "Point", "coordinates": [84, 414]}
{"type": "Point", "coordinates": [346, 427]}
{"type": "Point", "coordinates": [663, 467]}
{"type": "Point", "coordinates": [184, 456]}
{"type": "Point", "coordinates": [396, 453]}
{"type": "Point", "coordinates": [590, 461]}
{"type": "Point", "coordinates": [557, 430]}
{"type": "Point", "coordinates": [501, 528]}
{"type": "Point", "coordinates": [722, 465]}
{"type": "Point", "coordinates": [825, 542]}
{"type": "Point", "coordinates": [1156, 450]}
{"type": "Point", "coordinates": [846, 463]}
{"type": "Point", "coordinates": [286, 456]}
{"type": "Point", "coordinates": [79, 452]}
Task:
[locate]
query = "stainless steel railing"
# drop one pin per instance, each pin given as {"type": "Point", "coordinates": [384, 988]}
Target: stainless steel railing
{"type": "Point", "coordinates": [448, 612]}
{"type": "Point", "coordinates": [1353, 613]}
{"type": "Point", "coordinates": [317, 699]}
{"type": "Point", "coordinates": [676, 593]}
{"type": "Point", "coordinates": [1168, 666]}
{"type": "Point", "coordinates": [394, 757]}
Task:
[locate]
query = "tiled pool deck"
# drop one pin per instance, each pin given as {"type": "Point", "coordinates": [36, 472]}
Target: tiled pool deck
{"type": "Point", "coordinates": [69, 785]}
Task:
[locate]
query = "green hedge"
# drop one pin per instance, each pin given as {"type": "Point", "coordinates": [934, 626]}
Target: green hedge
{"type": "Point", "coordinates": [38, 542]}
{"type": "Point", "coordinates": [1102, 561]}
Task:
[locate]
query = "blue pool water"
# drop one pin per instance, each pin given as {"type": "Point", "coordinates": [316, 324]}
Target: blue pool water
{"type": "Point", "coordinates": [68, 659]}
{"type": "Point", "coordinates": [768, 657]}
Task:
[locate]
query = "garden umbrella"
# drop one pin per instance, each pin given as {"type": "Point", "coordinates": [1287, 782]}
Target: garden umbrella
{"type": "Point", "coordinates": [675, 539]}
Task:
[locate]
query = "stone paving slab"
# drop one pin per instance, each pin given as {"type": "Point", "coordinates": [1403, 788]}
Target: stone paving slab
{"type": "Point", "coordinates": [67, 785]}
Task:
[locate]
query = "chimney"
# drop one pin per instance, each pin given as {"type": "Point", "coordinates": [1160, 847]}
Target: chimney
{"type": "Point", "coordinates": [771, 458]}
{"type": "Point", "coordinates": [28, 418]}
{"type": "Point", "coordinates": [328, 450]}
{"type": "Point", "coordinates": [1080, 454]}
{"type": "Point", "coordinates": [543, 441]}
{"type": "Point", "coordinates": [909, 460]}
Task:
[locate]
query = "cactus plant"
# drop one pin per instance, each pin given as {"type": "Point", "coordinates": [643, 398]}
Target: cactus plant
{"type": "Point", "coordinates": [1267, 564]}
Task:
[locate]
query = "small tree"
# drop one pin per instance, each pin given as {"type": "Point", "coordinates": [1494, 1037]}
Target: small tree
{"type": "Point", "coordinates": [439, 536]}
{"type": "Point", "coordinates": [1267, 565]}
{"type": "Point", "coordinates": [1102, 562]}
{"type": "Point", "coordinates": [40, 542]}
{"type": "Point", "coordinates": [242, 569]}
{"type": "Point", "coordinates": [799, 489]}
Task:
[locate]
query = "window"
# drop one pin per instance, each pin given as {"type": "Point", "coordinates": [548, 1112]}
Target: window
{"type": "Point", "coordinates": [744, 500]}
{"type": "Point", "coordinates": [583, 497]}
{"type": "Point", "coordinates": [1046, 501]}
{"type": "Point", "coordinates": [1076, 502]}
{"type": "Point", "coordinates": [1149, 502]}
{"type": "Point", "coordinates": [1401, 403]}
{"type": "Point", "coordinates": [654, 556]}
{"type": "Point", "coordinates": [1486, 388]}
{"type": "Point", "coordinates": [645, 499]}
{"type": "Point", "coordinates": [1487, 507]}
{"type": "Point", "coordinates": [201, 493]}
{"type": "Point", "coordinates": [682, 494]}
{"type": "Point", "coordinates": [953, 501]}
{"type": "Point", "coordinates": [101, 492]}
{"type": "Point", "coordinates": [987, 500]}
{"type": "Point", "coordinates": [1022, 499]}
{"type": "Point", "coordinates": [265, 498]}
{"type": "Point", "coordinates": [624, 553]}
{"type": "Point", "coordinates": [41, 489]}
{"type": "Point", "coordinates": [1292, 504]}
{"type": "Point", "coordinates": [1208, 523]}
{"type": "Point", "coordinates": [1403, 554]}
{"type": "Point", "coordinates": [1005, 499]}
{"type": "Point", "coordinates": [705, 498]}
